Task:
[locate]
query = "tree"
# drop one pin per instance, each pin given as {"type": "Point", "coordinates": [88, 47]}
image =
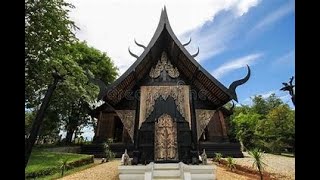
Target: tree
{"type": "Point", "coordinates": [262, 105]}
{"type": "Point", "coordinates": [245, 125]}
{"type": "Point", "coordinates": [76, 93]}
{"type": "Point", "coordinates": [39, 117]}
{"type": "Point", "coordinates": [244, 109]}
{"type": "Point", "coordinates": [284, 124]}
{"type": "Point", "coordinates": [267, 124]}
{"type": "Point", "coordinates": [48, 31]}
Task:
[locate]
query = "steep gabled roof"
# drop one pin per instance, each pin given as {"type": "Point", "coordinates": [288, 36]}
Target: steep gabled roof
{"type": "Point", "coordinates": [185, 62]}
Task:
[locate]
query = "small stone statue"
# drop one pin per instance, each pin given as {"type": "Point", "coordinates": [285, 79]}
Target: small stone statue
{"type": "Point", "coordinates": [125, 158]}
{"type": "Point", "coordinates": [204, 157]}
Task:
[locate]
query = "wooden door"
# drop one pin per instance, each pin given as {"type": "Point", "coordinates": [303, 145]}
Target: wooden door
{"type": "Point", "coordinates": [165, 143]}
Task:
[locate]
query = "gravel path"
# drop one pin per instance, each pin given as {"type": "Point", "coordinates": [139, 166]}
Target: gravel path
{"type": "Point", "coordinates": [103, 171]}
{"type": "Point", "coordinates": [283, 167]}
{"type": "Point", "coordinates": [109, 171]}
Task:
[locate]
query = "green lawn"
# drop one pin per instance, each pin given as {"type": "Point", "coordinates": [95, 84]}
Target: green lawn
{"type": "Point", "coordinates": [41, 161]}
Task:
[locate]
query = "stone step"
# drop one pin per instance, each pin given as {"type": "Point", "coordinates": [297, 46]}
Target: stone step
{"type": "Point", "coordinates": [166, 166]}
{"type": "Point", "coordinates": [131, 176]}
{"type": "Point", "coordinates": [166, 173]}
{"type": "Point", "coordinates": [203, 176]}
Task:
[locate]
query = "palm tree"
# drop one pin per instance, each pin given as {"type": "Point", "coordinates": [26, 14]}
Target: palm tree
{"type": "Point", "coordinates": [257, 155]}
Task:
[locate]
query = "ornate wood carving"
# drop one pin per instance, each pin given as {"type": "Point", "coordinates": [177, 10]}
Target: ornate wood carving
{"type": "Point", "coordinates": [165, 140]}
{"type": "Point", "coordinates": [127, 118]}
{"type": "Point", "coordinates": [164, 64]}
{"type": "Point", "coordinates": [149, 94]}
{"type": "Point", "coordinates": [203, 117]}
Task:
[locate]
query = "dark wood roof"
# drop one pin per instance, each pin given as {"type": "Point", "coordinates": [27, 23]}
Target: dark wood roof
{"type": "Point", "coordinates": [165, 39]}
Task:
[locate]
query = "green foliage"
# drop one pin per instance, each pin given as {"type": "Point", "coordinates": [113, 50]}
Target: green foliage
{"type": "Point", "coordinates": [108, 153]}
{"type": "Point", "coordinates": [217, 157]}
{"type": "Point", "coordinates": [245, 127]}
{"type": "Point", "coordinates": [257, 155]}
{"type": "Point", "coordinates": [50, 44]}
{"type": "Point", "coordinates": [231, 163]}
{"type": "Point", "coordinates": [268, 124]}
{"type": "Point", "coordinates": [44, 163]}
{"type": "Point", "coordinates": [48, 31]}
{"type": "Point", "coordinates": [29, 117]}
{"type": "Point", "coordinates": [63, 166]}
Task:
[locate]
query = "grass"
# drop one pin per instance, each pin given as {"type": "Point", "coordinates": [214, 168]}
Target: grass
{"type": "Point", "coordinates": [58, 175]}
{"type": "Point", "coordinates": [44, 161]}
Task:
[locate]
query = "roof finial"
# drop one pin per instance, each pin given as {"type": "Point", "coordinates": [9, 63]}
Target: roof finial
{"type": "Point", "coordinates": [239, 82]}
{"type": "Point", "coordinates": [186, 44]}
{"type": "Point", "coordinates": [132, 53]}
{"type": "Point", "coordinates": [196, 54]}
{"type": "Point", "coordinates": [141, 45]}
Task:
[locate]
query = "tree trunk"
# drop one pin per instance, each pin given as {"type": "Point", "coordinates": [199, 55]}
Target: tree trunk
{"type": "Point", "coordinates": [261, 176]}
{"type": "Point", "coordinates": [69, 136]}
{"type": "Point", "coordinates": [39, 118]}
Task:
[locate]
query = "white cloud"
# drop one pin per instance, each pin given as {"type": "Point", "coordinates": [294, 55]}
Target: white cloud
{"type": "Point", "coordinates": [274, 16]}
{"type": "Point", "coordinates": [244, 5]}
{"type": "Point", "coordinates": [214, 39]}
{"type": "Point", "coordinates": [267, 94]}
{"type": "Point", "coordinates": [289, 57]}
{"type": "Point", "coordinates": [112, 25]}
{"type": "Point", "coordinates": [235, 64]}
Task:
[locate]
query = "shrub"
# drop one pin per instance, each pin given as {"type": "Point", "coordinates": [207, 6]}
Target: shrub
{"type": "Point", "coordinates": [230, 163]}
{"type": "Point", "coordinates": [63, 167]}
{"type": "Point", "coordinates": [257, 155]}
{"type": "Point", "coordinates": [108, 153]}
{"type": "Point", "coordinates": [218, 157]}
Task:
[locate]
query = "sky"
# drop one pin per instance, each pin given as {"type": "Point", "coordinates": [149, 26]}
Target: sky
{"type": "Point", "coordinates": [229, 34]}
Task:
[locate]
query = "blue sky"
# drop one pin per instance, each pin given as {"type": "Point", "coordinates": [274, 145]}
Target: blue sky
{"type": "Point", "coordinates": [264, 38]}
{"type": "Point", "coordinates": [229, 33]}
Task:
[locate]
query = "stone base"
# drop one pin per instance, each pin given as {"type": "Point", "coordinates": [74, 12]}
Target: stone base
{"type": "Point", "coordinates": [226, 149]}
{"type": "Point", "coordinates": [173, 171]}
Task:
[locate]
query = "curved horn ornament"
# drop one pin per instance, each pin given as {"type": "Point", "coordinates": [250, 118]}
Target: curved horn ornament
{"type": "Point", "coordinates": [235, 84]}
{"type": "Point", "coordinates": [140, 45]}
{"type": "Point", "coordinates": [232, 107]}
{"type": "Point", "coordinates": [132, 53]}
{"type": "Point", "coordinates": [102, 86]}
{"type": "Point", "coordinates": [186, 44]}
{"type": "Point", "coordinates": [196, 54]}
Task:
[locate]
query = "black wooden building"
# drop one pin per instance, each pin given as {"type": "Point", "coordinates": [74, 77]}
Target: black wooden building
{"type": "Point", "coordinates": [166, 107]}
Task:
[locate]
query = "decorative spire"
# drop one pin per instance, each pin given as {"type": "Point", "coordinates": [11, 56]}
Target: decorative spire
{"type": "Point", "coordinates": [132, 53]}
{"type": "Point", "coordinates": [186, 44]}
{"type": "Point", "coordinates": [141, 45]}
{"type": "Point", "coordinates": [235, 84]}
{"type": "Point", "coordinates": [196, 54]}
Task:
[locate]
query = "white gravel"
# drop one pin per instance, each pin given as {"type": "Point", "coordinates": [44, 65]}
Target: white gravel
{"type": "Point", "coordinates": [283, 167]}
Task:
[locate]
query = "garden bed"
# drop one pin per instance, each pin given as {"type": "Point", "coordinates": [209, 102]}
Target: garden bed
{"type": "Point", "coordinates": [44, 163]}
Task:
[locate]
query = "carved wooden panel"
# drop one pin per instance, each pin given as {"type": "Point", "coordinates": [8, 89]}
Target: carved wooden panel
{"type": "Point", "coordinates": [149, 94]}
{"type": "Point", "coordinates": [203, 117]}
{"type": "Point", "coordinates": [165, 140]}
{"type": "Point", "coordinates": [127, 118]}
{"type": "Point", "coordinates": [164, 64]}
